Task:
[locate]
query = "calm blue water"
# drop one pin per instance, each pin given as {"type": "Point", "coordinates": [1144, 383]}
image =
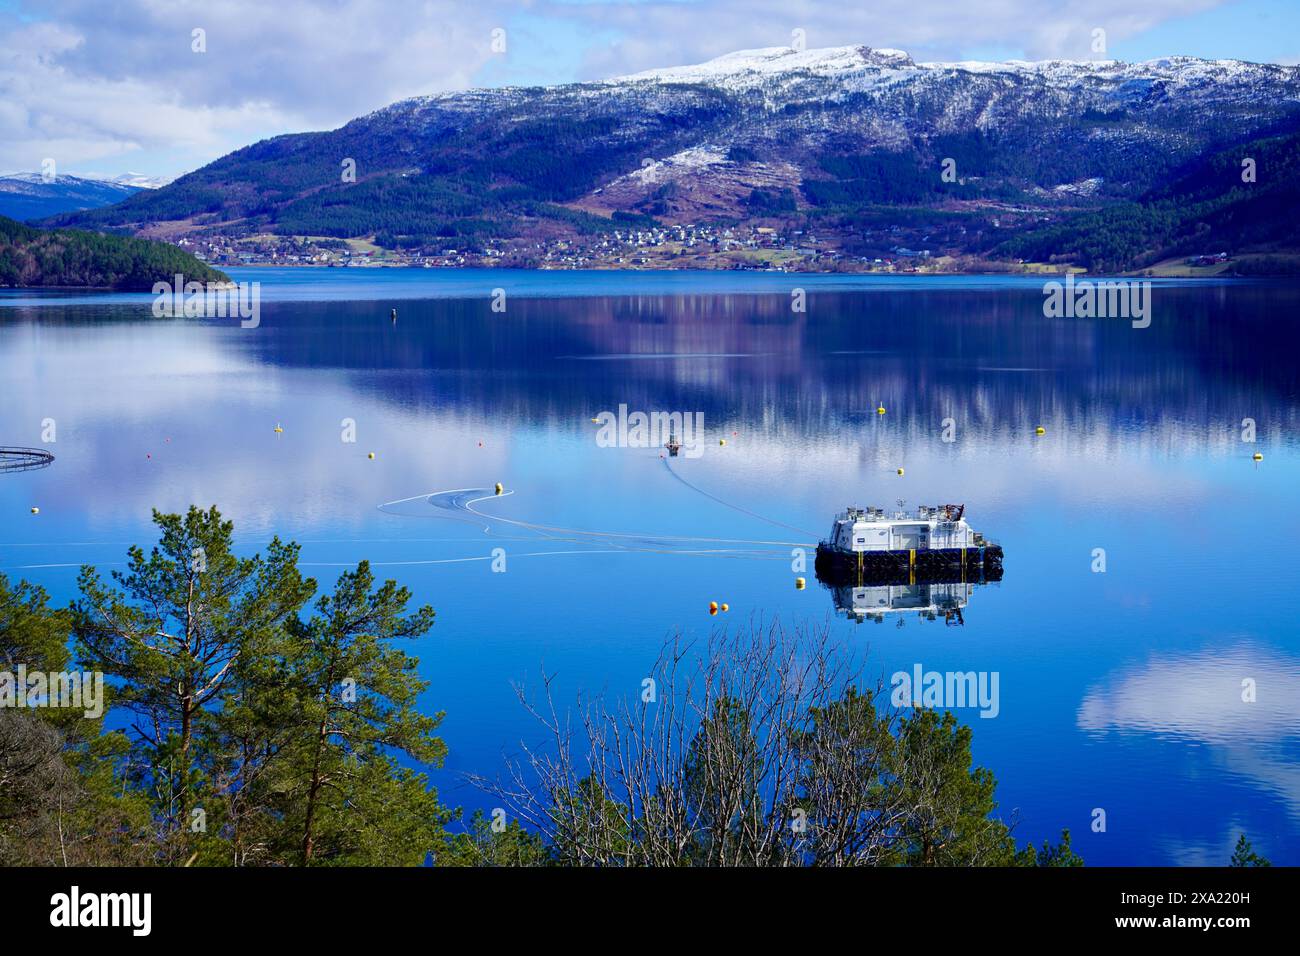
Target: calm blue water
{"type": "Point", "coordinates": [1119, 690]}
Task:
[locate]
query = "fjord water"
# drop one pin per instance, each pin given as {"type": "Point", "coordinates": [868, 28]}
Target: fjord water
{"type": "Point", "coordinates": [1120, 691]}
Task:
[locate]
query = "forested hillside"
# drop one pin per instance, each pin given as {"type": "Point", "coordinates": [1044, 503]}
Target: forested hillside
{"type": "Point", "coordinates": [1206, 207]}
{"type": "Point", "coordinates": [31, 257]}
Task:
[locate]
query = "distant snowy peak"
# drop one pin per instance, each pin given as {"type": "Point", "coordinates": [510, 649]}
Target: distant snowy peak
{"type": "Point", "coordinates": [128, 180]}
{"type": "Point", "coordinates": [138, 180]}
{"type": "Point", "coordinates": [32, 178]}
{"type": "Point", "coordinates": [28, 195]}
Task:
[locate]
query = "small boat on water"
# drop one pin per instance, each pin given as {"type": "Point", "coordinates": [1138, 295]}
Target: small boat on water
{"type": "Point", "coordinates": [931, 542]}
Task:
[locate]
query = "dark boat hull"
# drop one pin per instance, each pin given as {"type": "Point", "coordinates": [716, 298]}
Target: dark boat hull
{"type": "Point", "coordinates": [938, 564]}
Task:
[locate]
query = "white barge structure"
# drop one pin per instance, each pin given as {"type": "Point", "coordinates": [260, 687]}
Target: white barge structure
{"type": "Point", "coordinates": [934, 542]}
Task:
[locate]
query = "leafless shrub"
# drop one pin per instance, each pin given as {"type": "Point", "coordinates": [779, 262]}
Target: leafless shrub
{"type": "Point", "coordinates": [35, 783]}
{"type": "Point", "coordinates": [761, 747]}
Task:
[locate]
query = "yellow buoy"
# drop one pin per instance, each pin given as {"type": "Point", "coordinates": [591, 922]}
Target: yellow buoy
{"type": "Point", "coordinates": [799, 584]}
{"type": "Point", "coordinates": [880, 410]}
{"type": "Point", "coordinates": [371, 456]}
{"type": "Point", "coordinates": [1040, 430]}
{"type": "Point", "coordinates": [1258, 457]}
{"type": "Point", "coordinates": [900, 472]}
{"type": "Point", "coordinates": [713, 607]}
{"type": "Point", "coordinates": [36, 511]}
{"type": "Point", "coordinates": [500, 488]}
{"type": "Point", "coordinates": [722, 441]}
{"type": "Point", "coordinates": [726, 607]}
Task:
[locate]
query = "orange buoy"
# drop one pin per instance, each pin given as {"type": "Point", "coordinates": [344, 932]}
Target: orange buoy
{"type": "Point", "coordinates": [713, 607]}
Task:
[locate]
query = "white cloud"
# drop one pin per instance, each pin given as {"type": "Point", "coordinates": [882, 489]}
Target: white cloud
{"type": "Point", "coordinates": [80, 86]}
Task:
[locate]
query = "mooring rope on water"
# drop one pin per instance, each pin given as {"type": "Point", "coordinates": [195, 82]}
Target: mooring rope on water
{"type": "Point", "coordinates": [626, 534]}
{"type": "Point", "coordinates": [722, 552]}
{"type": "Point", "coordinates": [577, 534]}
{"type": "Point", "coordinates": [734, 507]}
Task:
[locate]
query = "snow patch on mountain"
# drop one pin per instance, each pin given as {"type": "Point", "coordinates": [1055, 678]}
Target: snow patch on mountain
{"type": "Point", "coordinates": [1084, 188]}
{"type": "Point", "coordinates": [756, 66]}
{"type": "Point", "coordinates": [688, 160]}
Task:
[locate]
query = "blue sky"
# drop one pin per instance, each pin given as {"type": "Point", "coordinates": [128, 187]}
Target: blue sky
{"type": "Point", "coordinates": [106, 92]}
{"type": "Point", "coordinates": [1265, 31]}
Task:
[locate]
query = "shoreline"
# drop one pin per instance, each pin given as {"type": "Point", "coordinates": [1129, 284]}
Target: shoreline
{"type": "Point", "coordinates": [301, 283]}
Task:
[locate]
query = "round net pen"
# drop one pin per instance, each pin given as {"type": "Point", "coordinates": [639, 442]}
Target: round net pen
{"type": "Point", "coordinates": [23, 459]}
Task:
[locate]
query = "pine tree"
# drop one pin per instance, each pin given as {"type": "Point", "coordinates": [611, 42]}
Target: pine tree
{"type": "Point", "coordinates": [949, 804]}
{"type": "Point", "coordinates": [1244, 854]}
{"type": "Point", "coordinates": [351, 709]}
{"type": "Point", "coordinates": [177, 624]}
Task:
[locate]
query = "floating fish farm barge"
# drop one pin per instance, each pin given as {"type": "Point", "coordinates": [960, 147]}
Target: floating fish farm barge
{"type": "Point", "coordinates": [933, 543]}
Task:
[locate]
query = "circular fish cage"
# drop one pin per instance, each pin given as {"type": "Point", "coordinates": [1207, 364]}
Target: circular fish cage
{"type": "Point", "coordinates": [24, 459]}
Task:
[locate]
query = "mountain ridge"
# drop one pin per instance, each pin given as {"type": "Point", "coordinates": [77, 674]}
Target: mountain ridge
{"type": "Point", "coordinates": [866, 149]}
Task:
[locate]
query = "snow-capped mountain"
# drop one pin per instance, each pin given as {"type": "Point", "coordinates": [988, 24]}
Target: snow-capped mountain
{"type": "Point", "coordinates": [859, 68]}
{"type": "Point", "coordinates": [26, 195]}
{"type": "Point", "coordinates": [136, 180]}
{"type": "Point", "coordinates": [827, 139]}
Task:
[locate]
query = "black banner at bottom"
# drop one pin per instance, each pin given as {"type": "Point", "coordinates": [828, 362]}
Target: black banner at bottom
{"type": "Point", "coordinates": [141, 907]}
